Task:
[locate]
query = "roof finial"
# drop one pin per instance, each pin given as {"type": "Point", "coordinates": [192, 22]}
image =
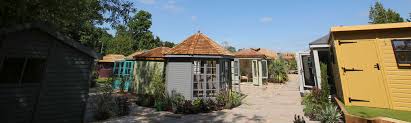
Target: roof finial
{"type": "Point", "coordinates": [198, 31]}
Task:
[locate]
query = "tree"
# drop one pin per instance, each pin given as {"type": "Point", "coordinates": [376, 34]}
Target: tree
{"type": "Point", "coordinates": [409, 20]}
{"type": "Point", "coordinates": [75, 18]}
{"type": "Point", "coordinates": [167, 44]}
{"type": "Point", "coordinates": [121, 43]}
{"type": "Point", "coordinates": [231, 49]}
{"type": "Point", "coordinates": [139, 27]}
{"type": "Point", "coordinates": [378, 14]}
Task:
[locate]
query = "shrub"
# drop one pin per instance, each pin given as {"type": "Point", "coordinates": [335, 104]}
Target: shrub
{"type": "Point", "coordinates": [330, 114]}
{"type": "Point", "coordinates": [145, 100]}
{"type": "Point", "coordinates": [122, 105]}
{"type": "Point", "coordinates": [278, 69]}
{"type": "Point", "coordinates": [177, 102]}
{"type": "Point", "coordinates": [324, 81]}
{"type": "Point", "coordinates": [104, 105]}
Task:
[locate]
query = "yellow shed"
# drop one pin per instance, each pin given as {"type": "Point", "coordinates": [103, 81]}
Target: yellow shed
{"type": "Point", "coordinates": [372, 65]}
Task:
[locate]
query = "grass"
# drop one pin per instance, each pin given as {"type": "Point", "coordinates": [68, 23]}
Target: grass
{"type": "Point", "coordinates": [368, 112]}
{"type": "Point", "coordinates": [101, 80]}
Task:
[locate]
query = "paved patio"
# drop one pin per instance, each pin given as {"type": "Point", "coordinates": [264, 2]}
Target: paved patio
{"type": "Point", "coordinates": [269, 103]}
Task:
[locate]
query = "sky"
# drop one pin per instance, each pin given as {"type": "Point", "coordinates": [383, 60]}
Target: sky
{"type": "Point", "coordinates": [282, 26]}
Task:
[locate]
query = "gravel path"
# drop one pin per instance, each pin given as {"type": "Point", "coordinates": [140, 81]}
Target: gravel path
{"type": "Point", "coordinates": [269, 103]}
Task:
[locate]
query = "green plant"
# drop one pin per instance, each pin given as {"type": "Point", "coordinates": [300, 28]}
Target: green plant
{"type": "Point", "coordinates": [122, 105]}
{"type": "Point", "coordinates": [177, 102]}
{"type": "Point", "coordinates": [104, 105]}
{"type": "Point", "coordinates": [314, 103]}
{"type": "Point", "coordinates": [325, 88]}
{"type": "Point", "coordinates": [279, 70]}
{"type": "Point", "coordinates": [330, 114]}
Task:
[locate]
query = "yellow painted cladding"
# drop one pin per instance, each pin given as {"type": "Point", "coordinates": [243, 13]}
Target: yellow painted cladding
{"type": "Point", "coordinates": [357, 54]}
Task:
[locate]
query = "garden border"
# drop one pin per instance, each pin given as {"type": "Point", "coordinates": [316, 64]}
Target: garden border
{"type": "Point", "coordinates": [349, 118]}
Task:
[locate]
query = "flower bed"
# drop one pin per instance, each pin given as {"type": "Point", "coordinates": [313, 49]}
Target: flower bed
{"type": "Point", "coordinates": [176, 103]}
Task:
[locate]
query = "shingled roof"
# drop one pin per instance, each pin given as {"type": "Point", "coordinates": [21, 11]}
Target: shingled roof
{"type": "Point", "coordinates": [199, 44]}
{"type": "Point", "coordinates": [112, 58]}
{"type": "Point", "coordinates": [154, 53]}
{"type": "Point", "coordinates": [249, 53]}
{"type": "Point", "coordinates": [268, 53]}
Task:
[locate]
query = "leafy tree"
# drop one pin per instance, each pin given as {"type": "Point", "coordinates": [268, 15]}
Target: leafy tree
{"type": "Point", "coordinates": [74, 18]}
{"type": "Point", "coordinates": [231, 48]}
{"type": "Point", "coordinates": [139, 27]}
{"type": "Point", "coordinates": [167, 44]}
{"type": "Point", "coordinates": [378, 14]}
{"type": "Point", "coordinates": [121, 43]}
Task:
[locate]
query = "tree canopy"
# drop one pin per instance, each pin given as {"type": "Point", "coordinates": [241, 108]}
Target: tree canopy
{"type": "Point", "coordinates": [378, 14]}
{"type": "Point", "coordinates": [82, 20]}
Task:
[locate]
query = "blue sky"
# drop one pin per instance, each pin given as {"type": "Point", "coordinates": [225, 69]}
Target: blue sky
{"type": "Point", "coordinates": [287, 25]}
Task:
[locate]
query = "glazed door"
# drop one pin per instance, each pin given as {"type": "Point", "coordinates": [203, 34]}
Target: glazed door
{"type": "Point", "coordinates": [235, 68]}
{"type": "Point", "coordinates": [254, 67]}
{"type": "Point", "coordinates": [361, 70]}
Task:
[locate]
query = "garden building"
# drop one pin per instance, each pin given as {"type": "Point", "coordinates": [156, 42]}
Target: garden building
{"type": "Point", "coordinates": [253, 65]}
{"type": "Point", "coordinates": [198, 67]}
{"type": "Point", "coordinates": [149, 65]}
{"type": "Point", "coordinates": [45, 75]}
{"type": "Point", "coordinates": [309, 65]}
{"type": "Point", "coordinates": [372, 65]}
{"type": "Point", "coordinates": [105, 65]}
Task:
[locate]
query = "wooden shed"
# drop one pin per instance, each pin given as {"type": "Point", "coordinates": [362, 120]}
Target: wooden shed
{"type": "Point", "coordinates": [44, 75]}
{"type": "Point", "coordinates": [253, 65]}
{"type": "Point", "coordinates": [372, 65]}
{"type": "Point", "coordinates": [105, 65]}
{"type": "Point", "coordinates": [148, 65]}
{"type": "Point", "coordinates": [198, 67]}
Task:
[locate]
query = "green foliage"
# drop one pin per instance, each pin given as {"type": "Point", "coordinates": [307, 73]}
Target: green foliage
{"type": "Point", "coordinates": [378, 14]}
{"type": "Point", "coordinates": [278, 69]}
{"type": "Point", "coordinates": [325, 88]}
{"type": "Point", "coordinates": [122, 43]}
{"type": "Point", "coordinates": [231, 49]}
{"type": "Point", "coordinates": [75, 18]}
{"type": "Point", "coordinates": [107, 105]}
{"type": "Point", "coordinates": [292, 64]}
{"type": "Point", "coordinates": [330, 114]}
{"type": "Point", "coordinates": [369, 112]}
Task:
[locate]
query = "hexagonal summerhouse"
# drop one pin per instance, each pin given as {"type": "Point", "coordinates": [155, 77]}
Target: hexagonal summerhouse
{"type": "Point", "coordinates": [198, 67]}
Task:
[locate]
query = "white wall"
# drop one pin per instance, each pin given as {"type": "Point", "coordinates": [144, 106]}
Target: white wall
{"type": "Point", "coordinates": [179, 78]}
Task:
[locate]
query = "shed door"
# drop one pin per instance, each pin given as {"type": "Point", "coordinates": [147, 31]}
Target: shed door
{"type": "Point", "coordinates": [235, 68]}
{"type": "Point", "coordinates": [361, 71]}
{"type": "Point", "coordinates": [255, 70]}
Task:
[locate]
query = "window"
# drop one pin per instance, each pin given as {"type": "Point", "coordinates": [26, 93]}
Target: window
{"type": "Point", "coordinates": [22, 70]}
{"type": "Point", "coordinates": [402, 51]}
{"type": "Point", "coordinates": [264, 68]}
{"type": "Point", "coordinates": [205, 81]}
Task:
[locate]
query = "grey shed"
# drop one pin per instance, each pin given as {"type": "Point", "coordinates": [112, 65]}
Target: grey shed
{"type": "Point", "coordinates": [44, 75]}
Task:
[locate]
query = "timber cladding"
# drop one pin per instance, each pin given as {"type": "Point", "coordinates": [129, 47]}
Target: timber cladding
{"type": "Point", "coordinates": [366, 70]}
{"type": "Point", "coordinates": [43, 79]}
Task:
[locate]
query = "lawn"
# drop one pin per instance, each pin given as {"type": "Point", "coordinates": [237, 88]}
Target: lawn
{"type": "Point", "coordinates": [368, 112]}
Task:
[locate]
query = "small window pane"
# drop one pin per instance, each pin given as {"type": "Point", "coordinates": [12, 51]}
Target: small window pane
{"type": "Point", "coordinates": [11, 70]}
{"type": "Point", "coordinates": [402, 50]}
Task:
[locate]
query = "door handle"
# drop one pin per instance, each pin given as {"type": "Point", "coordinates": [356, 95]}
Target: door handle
{"type": "Point", "coordinates": [377, 66]}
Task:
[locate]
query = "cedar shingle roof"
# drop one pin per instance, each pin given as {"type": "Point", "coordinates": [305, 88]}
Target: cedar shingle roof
{"type": "Point", "coordinates": [268, 53]}
{"type": "Point", "coordinates": [112, 58]}
{"type": "Point", "coordinates": [131, 56]}
{"type": "Point", "coordinates": [158, 52]}
{"type": "Point", "coordinates": [248, 53]}
{"type": "Point", "coordinates": [199, 44]}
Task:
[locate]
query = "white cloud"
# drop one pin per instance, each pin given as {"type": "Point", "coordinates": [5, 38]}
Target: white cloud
{"type": "Point", "coordinates": [172, 6]}
{"type": "Point", "coordinates": [266, 19]}
{"type": "Point", "coordinates": [193, 18]}
{"type": "Point", "coordinates": [147, 1]}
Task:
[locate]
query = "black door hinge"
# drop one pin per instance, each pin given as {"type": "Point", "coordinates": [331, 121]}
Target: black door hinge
{"type": "Point", "coordinates": [357, 100]}
{"type": "Point", "coordinates": [352, 69]}
{"type": "Point", "coordinates": [377, 66]}
{"type": "Point", "coordinates": [346, 42]}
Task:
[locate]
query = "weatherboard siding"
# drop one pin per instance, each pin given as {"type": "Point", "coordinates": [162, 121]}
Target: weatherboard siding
{"type": "Point", "coordinates": [398, 80]}
{"type": "Point", "coordinates": [179, 78]}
